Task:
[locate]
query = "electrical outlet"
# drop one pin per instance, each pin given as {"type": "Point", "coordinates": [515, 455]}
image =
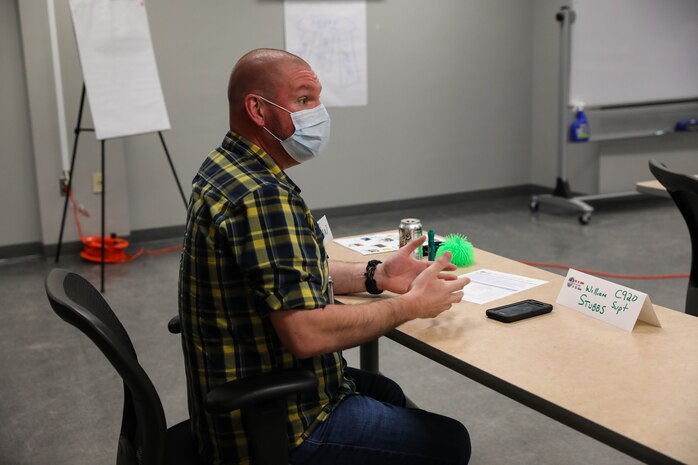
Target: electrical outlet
{"type": "Point", "coordinates": [63, 184]}
{"type": "Point", "coordinates": [97, 183]}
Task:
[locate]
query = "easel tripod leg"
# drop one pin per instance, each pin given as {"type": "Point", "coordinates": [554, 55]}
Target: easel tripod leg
{"type": "Point", "coordinates": [70, 174]}
{"type": "Point", "coordinates": [174, 173]}
{"type": "Point", "coordinates": [104, 192]}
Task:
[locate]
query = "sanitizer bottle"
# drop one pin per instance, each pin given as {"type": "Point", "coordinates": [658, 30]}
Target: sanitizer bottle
{"type": "Point", "coordinates": [580, 126]}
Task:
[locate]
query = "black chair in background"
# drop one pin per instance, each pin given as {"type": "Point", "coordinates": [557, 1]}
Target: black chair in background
{"type": "Point", "coordinates": [144, 437]}
{"type": "Point", "coordinates": [684, 190]}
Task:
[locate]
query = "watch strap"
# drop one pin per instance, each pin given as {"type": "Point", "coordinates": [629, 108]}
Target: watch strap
{"type": "Point", "coordinates": [371, 286]}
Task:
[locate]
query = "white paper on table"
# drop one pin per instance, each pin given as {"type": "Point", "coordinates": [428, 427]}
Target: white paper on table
{"type": "Point", "coordinates": [331, 37]}
{"type": "Point", "coordinates": [371, 243]}
{"type": "Point", "coordinates": [488, 285]}
{"type": "Point", "coordinates": [118, 66]}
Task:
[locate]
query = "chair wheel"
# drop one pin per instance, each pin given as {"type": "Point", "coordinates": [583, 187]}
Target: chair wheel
{"type": "Point", "coordinates": [585, 218]}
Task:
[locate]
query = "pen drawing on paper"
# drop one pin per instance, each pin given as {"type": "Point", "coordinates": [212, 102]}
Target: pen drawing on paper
{"type": "Point", "coordinates": [331, 37]}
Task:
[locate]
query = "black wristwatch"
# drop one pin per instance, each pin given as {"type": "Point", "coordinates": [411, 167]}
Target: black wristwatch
{"type": "Point", "coordinates": [371, 286]}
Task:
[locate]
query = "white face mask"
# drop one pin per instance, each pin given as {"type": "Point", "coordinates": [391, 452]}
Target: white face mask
{"type": "Point", "coordinates": [312, 132]}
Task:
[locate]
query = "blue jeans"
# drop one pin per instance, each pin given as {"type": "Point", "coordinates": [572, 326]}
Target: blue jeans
{"type": "Point", "coordinates": [376, 428]}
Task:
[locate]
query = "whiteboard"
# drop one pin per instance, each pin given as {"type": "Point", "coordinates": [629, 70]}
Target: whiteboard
{"type": "Point", "coordinates": [634, 51]}
{"type": "Point", "coordinates": [118, 66]}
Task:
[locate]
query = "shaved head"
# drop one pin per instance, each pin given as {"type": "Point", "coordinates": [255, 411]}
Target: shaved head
{"type": "Point", "coordinates": [261, 71]}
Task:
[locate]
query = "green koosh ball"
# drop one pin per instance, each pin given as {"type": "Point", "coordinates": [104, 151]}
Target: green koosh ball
{"type": "Point", "coordinates": [461, 249]}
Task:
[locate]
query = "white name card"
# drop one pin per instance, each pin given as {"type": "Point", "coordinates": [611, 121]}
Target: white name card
{"type": "Point", "coordinates": [324, 226]}
{"type": "Point", "coordinates": [606, 301]}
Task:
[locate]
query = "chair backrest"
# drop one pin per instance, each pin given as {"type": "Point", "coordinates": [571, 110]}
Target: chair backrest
{"type": "Point", "coordinates": [683, 189]}
{"type": "Point", "coordinates": [79, 303]}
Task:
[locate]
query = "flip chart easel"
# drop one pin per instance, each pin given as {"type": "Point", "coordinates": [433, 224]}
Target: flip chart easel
{"type": "Point", "coordinates": [121, 80]}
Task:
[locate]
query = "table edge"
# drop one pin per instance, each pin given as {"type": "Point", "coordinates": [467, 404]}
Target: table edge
{"type": "Point", "coordinates": [557, 413]}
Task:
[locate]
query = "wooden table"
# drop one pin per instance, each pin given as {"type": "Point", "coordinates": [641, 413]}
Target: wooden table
{"type": "Point", "coordinates": [653, 187]}
{"type": "Point", "coordinates": [637, 392]}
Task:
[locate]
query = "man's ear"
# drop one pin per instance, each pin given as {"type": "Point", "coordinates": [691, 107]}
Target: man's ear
{"type": "Point", "coordinates": [254, 109]}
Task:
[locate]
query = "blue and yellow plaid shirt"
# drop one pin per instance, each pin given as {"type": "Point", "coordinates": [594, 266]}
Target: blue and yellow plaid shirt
{"type": "Point", "coordinates": [251, 247]}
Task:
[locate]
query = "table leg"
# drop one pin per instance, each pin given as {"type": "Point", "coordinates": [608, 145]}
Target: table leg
{"type": "Point", "coordinates": [368, 356]}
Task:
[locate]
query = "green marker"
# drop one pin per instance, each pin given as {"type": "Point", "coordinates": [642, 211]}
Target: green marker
{"type": "Point", "coordinates": [432, 251]}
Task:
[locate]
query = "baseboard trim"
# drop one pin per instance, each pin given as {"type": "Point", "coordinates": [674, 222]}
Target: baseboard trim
{"type": "Point", "coordinates": [67, 248]}
{"type": "Point", "coordinates": [176, 232]}
{"type": "Point", "coordinates": [21, 250]}
{"type": "Point", "coordinates": [350, 210]}
{"type": "Point", "coordinates": [156, 234]}
{"type": "Point", "coordinates": [136, 237]}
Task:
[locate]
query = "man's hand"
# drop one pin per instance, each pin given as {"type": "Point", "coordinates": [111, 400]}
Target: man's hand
{"type": "Point", "coordinates": [427, 291]}
{"type": "Point", "coordinates": [398, 272]}
{"type": "Point", "coordinates": [429, 294]}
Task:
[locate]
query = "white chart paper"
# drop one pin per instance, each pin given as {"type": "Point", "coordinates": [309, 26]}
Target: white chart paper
{"type": "Point", "coordinates": [331, 37]}
{"type": "Point", "coordinates": [118, 66]}
{"type": "Point", "coordinates": [488, 285]}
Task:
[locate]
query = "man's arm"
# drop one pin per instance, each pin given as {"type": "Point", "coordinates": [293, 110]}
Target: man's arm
{"type": "Point", "coordinates": [395, 275]}
{"type": "Point", "coordinates": [348, 277]}
{"type": "Point", "coordinates": [318, 331]}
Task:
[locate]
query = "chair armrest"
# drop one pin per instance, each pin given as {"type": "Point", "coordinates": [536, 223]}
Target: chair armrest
{"type": "Point", "coordinates": [174, 325]}
{"type": "Point", "coordinates": [244, 392]}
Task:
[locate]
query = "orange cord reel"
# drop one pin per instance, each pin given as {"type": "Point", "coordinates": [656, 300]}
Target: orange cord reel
{"type": "Point", "coordinates": [114, 249]}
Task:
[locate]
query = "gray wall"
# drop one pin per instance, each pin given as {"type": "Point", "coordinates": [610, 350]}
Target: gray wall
{"type": "Point", "coordinates": [449, 88]}
{"type": "Point", "coordinates": [18, 199]}
{"type": "Point", "coordinates": [462, 97]}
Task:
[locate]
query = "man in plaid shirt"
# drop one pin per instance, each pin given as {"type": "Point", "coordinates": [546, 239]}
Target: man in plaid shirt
{"type": "Point", "coordinates": [254, 294]}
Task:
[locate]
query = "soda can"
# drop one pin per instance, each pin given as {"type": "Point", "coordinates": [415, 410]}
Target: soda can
{"type": "Point", "coordinates": [410, 228]}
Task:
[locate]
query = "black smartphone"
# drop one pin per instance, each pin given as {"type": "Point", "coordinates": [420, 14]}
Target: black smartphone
{"type": "Point", "coordinates": [518, 310]}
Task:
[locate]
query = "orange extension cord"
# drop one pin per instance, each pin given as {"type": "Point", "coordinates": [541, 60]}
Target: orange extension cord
{"type": "Point", "coordinates": [115, 252]}
{"type": "Point", "coordinates": [606, 275]}
{"type": "Point", "coordinates": [114, 247]}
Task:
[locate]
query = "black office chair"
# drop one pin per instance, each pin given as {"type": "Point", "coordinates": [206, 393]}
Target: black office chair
{"type": "Point", "coordinates": [144, 437]}
{"type": "Point", "coordinates": [684, 190]}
